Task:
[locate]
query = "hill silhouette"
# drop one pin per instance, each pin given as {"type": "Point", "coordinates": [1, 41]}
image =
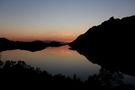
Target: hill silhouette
{"type": "Point", "coordinates": [37, 45]}
{"type": "Point", "coordinates": [110, 44]}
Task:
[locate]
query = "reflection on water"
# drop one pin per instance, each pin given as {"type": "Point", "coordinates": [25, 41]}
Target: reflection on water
{"type": "Point", "coordinates": [112, 67]}
{"type": "Point", "coordinates": [62, 60]}
{"type": "Point", "coordinates": [58, 60]}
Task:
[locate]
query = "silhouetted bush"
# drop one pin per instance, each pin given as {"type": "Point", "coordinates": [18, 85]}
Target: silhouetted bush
{"type": "Point", "coordinates": [18, 73]}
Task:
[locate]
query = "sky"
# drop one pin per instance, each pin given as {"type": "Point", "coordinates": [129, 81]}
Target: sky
{"type": "Point", "coordinates": [61, 20]}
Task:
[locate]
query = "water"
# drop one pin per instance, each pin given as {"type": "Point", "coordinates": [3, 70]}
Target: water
{"type": "Point", "coordinates": [59, 60]}
{"type": "Point", "coordinates": [55, 60]}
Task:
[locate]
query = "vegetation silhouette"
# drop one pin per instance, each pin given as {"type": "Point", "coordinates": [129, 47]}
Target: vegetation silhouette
{"type": "Point", "coordinates": [110, 44]}
{"type": "Point", "coordinates": [22, 75]}
{"type": "Point", "coordinates": [6, 44]}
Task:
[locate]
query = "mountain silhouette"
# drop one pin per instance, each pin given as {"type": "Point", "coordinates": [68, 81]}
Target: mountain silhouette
{"type": "Point", "coordinates": [110, 44]}
{"type": "Point", "coordinates": [37, 45]}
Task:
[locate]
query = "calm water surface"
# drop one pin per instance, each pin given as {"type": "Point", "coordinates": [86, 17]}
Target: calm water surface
{"type": "Point", "coordinates": [55, 60]}
{"type": "Point", "coordinates": [59, 60]}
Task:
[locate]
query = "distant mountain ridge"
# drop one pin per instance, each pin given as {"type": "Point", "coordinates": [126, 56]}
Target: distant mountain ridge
{"type": "Point", "coordinates": [36, 45]}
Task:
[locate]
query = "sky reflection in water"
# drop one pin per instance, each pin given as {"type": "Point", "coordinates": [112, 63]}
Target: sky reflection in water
{"type": "Point", "coordinates": [58, 60]}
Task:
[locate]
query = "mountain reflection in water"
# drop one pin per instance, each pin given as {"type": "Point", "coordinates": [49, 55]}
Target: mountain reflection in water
{"type": "Point", "coordinates": [55, 60]}
{"type": "Point", "coordinates": [62, 60]}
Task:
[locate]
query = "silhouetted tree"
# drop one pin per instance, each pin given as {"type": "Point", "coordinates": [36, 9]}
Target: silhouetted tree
{"type": "Point", "coordinates": [23, 75]}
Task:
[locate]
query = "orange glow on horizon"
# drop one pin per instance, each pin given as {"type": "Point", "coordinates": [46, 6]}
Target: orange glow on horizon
{"type": "Point", "coordinates": [30, 32]}
{"type": "Point", "coordinates": [58, 36]}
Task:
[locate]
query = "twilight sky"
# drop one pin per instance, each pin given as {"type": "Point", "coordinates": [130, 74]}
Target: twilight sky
{"type": "Point", "coordinates": [57, 19]}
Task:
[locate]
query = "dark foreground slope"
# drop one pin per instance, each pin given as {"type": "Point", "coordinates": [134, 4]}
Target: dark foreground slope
{"type": "Point", "coordinates": [19, 75]}
{"type": "Point", "coordinates": [110, 44]}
